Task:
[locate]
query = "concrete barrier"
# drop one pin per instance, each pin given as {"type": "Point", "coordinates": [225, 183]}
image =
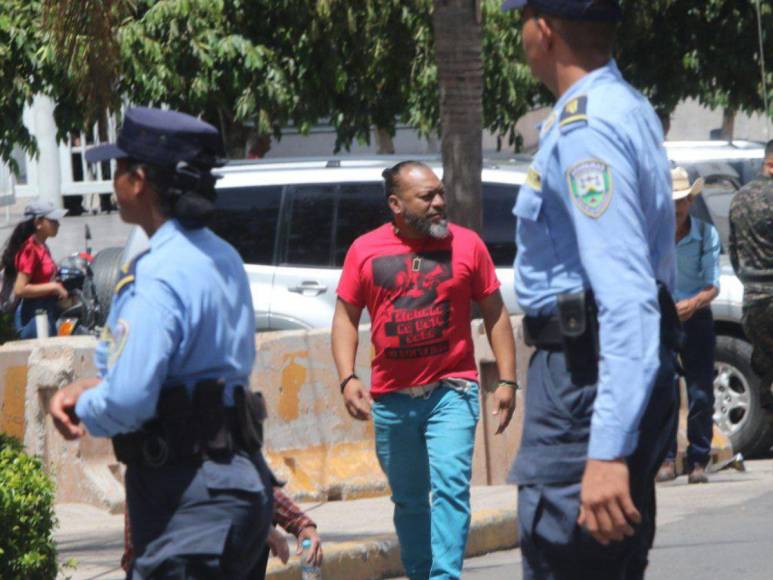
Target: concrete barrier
{"type": "Point", "coordinates": [311, 441]}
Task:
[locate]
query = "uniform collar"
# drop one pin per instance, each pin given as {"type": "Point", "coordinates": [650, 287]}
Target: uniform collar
{"type": "Point", "coordinates": [608, 70]}
{"type": "Point", "coordinates": [165, 233]}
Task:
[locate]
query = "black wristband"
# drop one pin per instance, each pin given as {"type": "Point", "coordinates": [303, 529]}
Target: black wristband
{"type": "Point", "coordinates": [346, 381]}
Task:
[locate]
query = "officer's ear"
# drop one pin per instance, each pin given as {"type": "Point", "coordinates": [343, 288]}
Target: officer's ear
{"type": "Point", "coordinates": [547, 31]}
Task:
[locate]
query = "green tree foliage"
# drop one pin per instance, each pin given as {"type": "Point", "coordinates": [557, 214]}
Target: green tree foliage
{"type": "Point", "coordinates": [20, 68]}
{"type": "Point", "coordinates": [27, 519]}
{"type": "Point", "coordinates": [256, 66]}
{"type": "Point", "coordinates": [708, 50]}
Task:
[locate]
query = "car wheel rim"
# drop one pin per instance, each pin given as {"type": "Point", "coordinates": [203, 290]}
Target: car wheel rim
{"type": "Point", "coordinates": [732, 399]}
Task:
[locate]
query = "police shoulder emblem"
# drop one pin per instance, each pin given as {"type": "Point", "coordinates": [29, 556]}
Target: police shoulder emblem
{"type": "Point", "coordinates": [574, 114]}
{"type": "Point", "coordinates": [534, 179]}
{"type": "Point", "coordinates": [590, 185]}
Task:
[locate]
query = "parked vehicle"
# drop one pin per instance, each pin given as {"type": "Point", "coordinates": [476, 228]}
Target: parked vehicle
{"type": "Point", "coordinates": [81, 310]}
{"type": "Point", "coordinates": [292, 222]}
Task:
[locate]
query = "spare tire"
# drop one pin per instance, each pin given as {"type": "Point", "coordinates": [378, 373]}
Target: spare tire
{"type": "Point", "coordinates": [106, 267]}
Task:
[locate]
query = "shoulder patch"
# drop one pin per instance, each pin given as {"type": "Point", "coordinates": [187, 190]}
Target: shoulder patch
{"type": "Point", "coordinates": [574, 114]}
{"type": "Point", "coordinates": [534, 179]}
{"type": "Point", "coordinates": [590, 185]}
{"type": "Point", "coordinates": [116, 341]}
{"type": "Point", "coordinates": [128, 273]}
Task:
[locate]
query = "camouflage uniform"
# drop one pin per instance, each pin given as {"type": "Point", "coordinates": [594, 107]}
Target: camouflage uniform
{"type": "Point", "coordinates": [751, 251]}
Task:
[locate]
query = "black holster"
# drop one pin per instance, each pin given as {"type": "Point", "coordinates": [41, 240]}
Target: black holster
{"type": "Point", "coordinates": [190, 429]}
{"type": "Point", "coordinates": [579, 325]}
{"type": "Point", "coordinates": [575, 332]}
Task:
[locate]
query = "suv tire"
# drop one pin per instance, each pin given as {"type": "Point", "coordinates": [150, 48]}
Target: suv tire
{"type": "Point", "coordinates": [106, 266]}
{"type": "Point", "coordinates": [739, 409]}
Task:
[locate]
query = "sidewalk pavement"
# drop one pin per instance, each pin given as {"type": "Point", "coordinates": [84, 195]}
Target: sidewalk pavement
{"type": "Point", "coordinates": [358, 537]}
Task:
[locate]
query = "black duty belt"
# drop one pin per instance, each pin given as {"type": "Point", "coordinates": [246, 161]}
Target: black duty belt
{"type": "Point", "coordinates": [187, 430]}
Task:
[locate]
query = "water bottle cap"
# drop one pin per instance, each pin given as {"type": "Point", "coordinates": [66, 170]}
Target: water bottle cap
{"type": "Point", "coordinates": [306, 543]}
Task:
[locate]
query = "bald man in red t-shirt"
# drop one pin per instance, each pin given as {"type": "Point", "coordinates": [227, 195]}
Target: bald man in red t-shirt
{"type": "Point", "coordinates": [418, 277]}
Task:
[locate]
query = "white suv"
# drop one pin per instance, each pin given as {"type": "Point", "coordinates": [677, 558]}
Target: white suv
{"type": "Point", "coordinates": [293, 221]}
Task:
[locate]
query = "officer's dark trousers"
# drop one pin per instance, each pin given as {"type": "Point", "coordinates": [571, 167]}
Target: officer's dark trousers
{"type": "Point", "coordinates": [550, 465]}
{"type": "Point", "coordinates": [198, 522]}
{"type": "Point", "coordinates": [698, 363]}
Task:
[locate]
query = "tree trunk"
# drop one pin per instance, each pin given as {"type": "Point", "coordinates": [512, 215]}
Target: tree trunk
{"type": "Point", "coordinates": [728, 124]}
{"type": "Point", "coordinates": [384, 143]}
{"type": "Point", "coordinates": [457, 32]}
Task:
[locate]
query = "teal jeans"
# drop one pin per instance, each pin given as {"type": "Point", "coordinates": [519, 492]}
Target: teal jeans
{"type": "Point", "coordinates": [423, 445]}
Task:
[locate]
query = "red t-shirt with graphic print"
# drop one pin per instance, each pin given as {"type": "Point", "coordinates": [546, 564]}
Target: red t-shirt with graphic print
{"type": "Point", "coordinates": [34, 260]}
{"type": "Point", "coordinates": [418, 293]}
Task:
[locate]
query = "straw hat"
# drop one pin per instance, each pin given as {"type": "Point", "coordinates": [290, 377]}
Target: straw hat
{"type": "Point", "coordinates": [681, 184]}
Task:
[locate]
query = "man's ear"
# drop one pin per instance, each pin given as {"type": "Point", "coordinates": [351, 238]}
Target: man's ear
{"type": "Point", "coordinates": [395, 205]}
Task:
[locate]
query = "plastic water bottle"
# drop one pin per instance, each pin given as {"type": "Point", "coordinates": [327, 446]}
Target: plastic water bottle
{"type": "Point", "coordinates": [309, 570]}
{"type": "Point", "coordinates": [41, 323]}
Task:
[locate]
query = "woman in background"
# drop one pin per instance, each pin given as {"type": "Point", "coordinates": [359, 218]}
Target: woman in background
{"type": "Point", "coordinates": [29, 269]}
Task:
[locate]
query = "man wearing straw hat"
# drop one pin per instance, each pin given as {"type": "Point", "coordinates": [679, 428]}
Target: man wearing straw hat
{"type": "Point", "coordinates": [697, 284]}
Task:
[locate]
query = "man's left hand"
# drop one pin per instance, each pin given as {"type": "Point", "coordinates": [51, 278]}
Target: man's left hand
{"type": "Point", "coordinates": [606, 508]}
{"type": "Point", "coordinates": [62, 408]}
{"type": "Point", "coordinates": [504, 401]}
{"type": "Point", "coordinates": [686, 308]}
{"type": "Point", "coordinates": [315, 551]}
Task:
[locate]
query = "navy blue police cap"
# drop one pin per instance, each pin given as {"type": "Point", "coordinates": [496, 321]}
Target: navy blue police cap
{"type": "Point", "coordinates": [600, 10]}
{"type": "Point", "coordinates": [163, 138]}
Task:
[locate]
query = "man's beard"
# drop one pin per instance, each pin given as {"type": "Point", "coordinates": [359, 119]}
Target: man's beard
{"type": "Point", "coordinates": [426, 226]}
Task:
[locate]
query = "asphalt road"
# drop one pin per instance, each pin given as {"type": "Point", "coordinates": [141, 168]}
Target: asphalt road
{"type": "Point", "coordinates": [722, 530]}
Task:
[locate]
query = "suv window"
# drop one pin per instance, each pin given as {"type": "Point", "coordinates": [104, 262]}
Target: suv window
{"type": "Point", "coordinates": [499, 222]}
{"type": "Point", "coordinates": [311, 210]}
{"type": "Point", "coordinates": [247, 218]}
{"type": "Point", "coordinates": [361, 207]}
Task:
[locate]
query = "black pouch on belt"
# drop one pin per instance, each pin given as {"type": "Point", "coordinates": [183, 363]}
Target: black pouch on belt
{"type": "Point", "coordinates": [578, 322]}
{"type": "Point", "coordinates": [210, 412]}
{"type": "Point", "coordinates": [250, 414]}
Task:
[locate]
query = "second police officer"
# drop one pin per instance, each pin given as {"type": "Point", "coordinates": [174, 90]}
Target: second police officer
{"type": "Point", "coordinates": [174, 363]}
{"type": "Point", "coordinates": [595, 264]}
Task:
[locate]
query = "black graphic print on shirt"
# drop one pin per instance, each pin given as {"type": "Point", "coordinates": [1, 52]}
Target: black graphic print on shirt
{"type": "Point", "coordinates": [417, 318]}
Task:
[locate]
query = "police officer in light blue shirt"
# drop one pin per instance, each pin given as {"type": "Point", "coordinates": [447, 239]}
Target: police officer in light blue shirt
{"type": "Point", "coordinates": [594, 270]}
{"type": "Point", "coordinates": [697, 284]}
{"type": "Point", "coordinates": [174, 361]}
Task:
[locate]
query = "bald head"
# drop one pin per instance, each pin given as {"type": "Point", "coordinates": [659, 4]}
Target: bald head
{"type": "Point", "coordinates": [416, 198]}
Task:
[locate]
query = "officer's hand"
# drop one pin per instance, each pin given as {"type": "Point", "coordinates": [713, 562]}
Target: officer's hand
{"type": "Point", "coordinates": [315, 552]}
{"type": "Point", "coordinates": [606, 507]}
{"type": "Point", "coordinates": [504, 403]}
{"type": "Point", "coordinates": [357, 399]}
{"type": "Point", "coordinates": [278, 543]}
{"type": "Point", "coordinates": [62, 408]}
{"type": "Point", "coordinates": [685, 309]}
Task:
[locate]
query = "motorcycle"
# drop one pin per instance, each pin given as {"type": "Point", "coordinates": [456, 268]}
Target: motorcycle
{"type": "Point", "coordinates": [80, 311]}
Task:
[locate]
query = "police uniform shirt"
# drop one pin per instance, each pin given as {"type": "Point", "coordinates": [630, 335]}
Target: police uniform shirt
{"type": "Point", "coordinates": [182, 313]}
{"type": "Point", "coordinates": [596, 212]}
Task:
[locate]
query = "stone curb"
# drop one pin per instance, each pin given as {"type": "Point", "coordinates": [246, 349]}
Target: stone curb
{"type": "Point", "coordinates": [379, 556]}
